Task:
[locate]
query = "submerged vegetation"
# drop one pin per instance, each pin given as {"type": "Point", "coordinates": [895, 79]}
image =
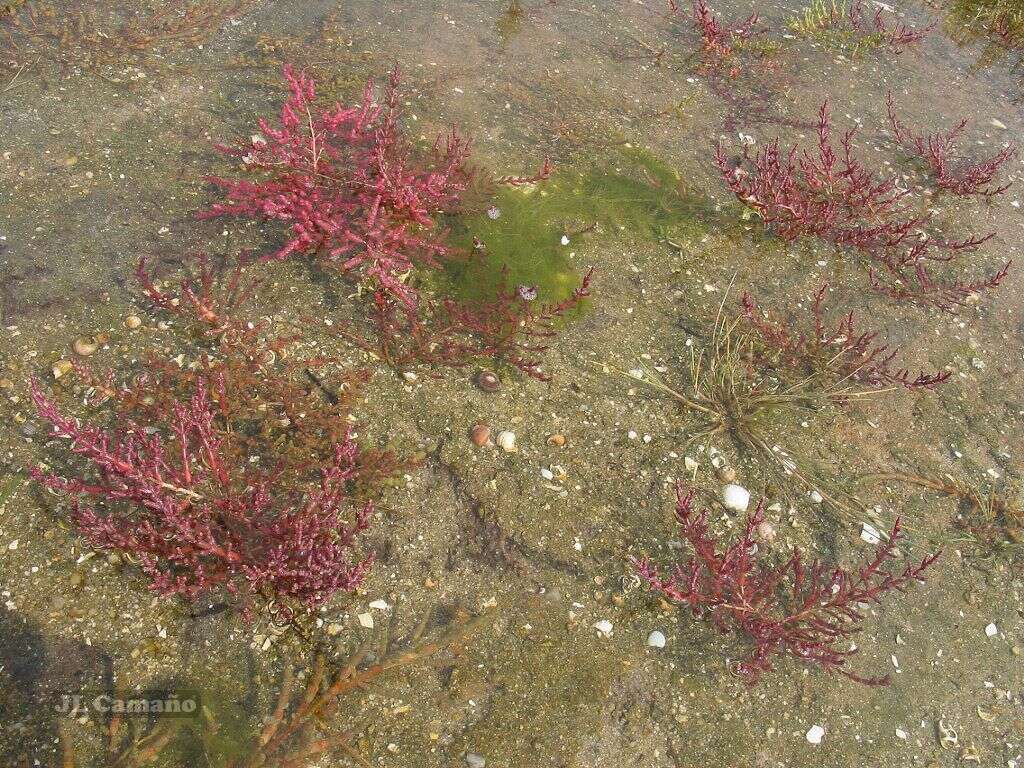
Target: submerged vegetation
{"type": "Point", "coordinates": [91, 36]}
{"type": "Point", "coordinates": [830, 194]}
{"type": "Point", "coordinates": [807, 610]}
{"type": "Point", "coordinates": [850, 26]}
{"type": "Point", "coordinates": [231, 461]}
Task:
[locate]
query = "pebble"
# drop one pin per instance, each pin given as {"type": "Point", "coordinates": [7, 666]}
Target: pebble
{"type": "Point", "coordinates": [870, 534]}
{"type": "Point", "coordinates": [365, 620]}
{"type": "Point", "coordinates": [816, 497]}
{"type": "Point", "coordinates": [556, 440]}
{"type": "Point", "coordinates": [991, 630]}
{"type": "Point", "coordinates": [473, 760]}
{"type": "Point", "coordinates": [656, 640]}
{"type": "Point", "coordinates": [604, 627]}
{"type": "Point", "coordinates": [815, 734]}
{"type": "Point", "coordinates": [132, 322]}
{"type": "Point", "coordinates": [736, 497]}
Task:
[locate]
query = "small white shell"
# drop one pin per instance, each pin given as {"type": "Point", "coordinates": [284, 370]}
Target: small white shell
{"type": "Point", "coordinates": [656, 640]}
{"type": "Point", "coordinates": [604, 627]}
{"type": "Point", "coordinates": [815, 734]}
{"type": "Point", "coordinates": [736, 497]}
{"type": "Point", "coordinates": [506, 441]}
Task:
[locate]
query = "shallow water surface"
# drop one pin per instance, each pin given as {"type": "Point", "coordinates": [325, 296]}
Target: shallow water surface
{"type": "Point", "coordinates": [110, 117]}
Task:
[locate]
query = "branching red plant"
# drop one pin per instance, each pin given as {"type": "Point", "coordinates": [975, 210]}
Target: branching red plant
{"type": "Point", "coordinates": [200, 526]}
{"type": "Point", "coordinates": [952, 173]}
{"type": "Point", "coordinates": [718, 39]}
{"type": "Point", "coordinates": [809, 612]}
{"type": "Point", "coordinates": [855, 19]}
{"type": "Point", "coordinates": [833, 196]}
{"type": "Point", "coordinates": [228, 471]}
{"type": "Point", "coordinates": [842, 353]}
{"type": "Point", "coordinates": [348, 183]}
{"type": "Point", "coordinates": [506, 329]}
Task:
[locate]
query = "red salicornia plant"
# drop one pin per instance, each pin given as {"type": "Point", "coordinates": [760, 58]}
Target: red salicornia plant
{"type": "Point", "coordinates": [348, 183]}
{"type": "Point", "coordinates": [507, 329]}
{"type": "Point", "coordinates": [840, 352]}
{"type": "Point", "coordinates": [808, 611]}
{"type": "Point", "coordinates": [228, 472]}
{"type": "Point", "coordinates": [833, 196]}
{"type": "Point", "coordinates": [202, 527]}
{"type": "Point", "coordinates": [852, 26]}
{"type": "Point", "coordinates": [938, 150]}
{"type": "Point", "coordinates": [718, 39]}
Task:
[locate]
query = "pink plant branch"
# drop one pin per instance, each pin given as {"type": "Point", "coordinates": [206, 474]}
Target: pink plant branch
{"type": "Point", "coordinates": [828, 193]}
{"type": "Point", "coordinates": [199, 527]}
{"type": "Point", "coordinates": [938, 150]}
{"type": "Point", "coordinates": [348, 184]}
{"type": "Point", "coordinates": [507, 329]}
{"type": "Point", "coordinates": [815, 348]}
{"type": "Point", "coordinates": [809, 612]}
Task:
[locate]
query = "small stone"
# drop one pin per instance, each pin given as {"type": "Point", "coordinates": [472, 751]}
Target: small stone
{"type": "Point", "coordinates": [473, 760]}
{"type": "Point", "coordinates": [766, 531]}
{"type": "Point", "coordinates": [380, 605]}
{"type": "Point", "coordinates": [991, 630]}
{"type": "Point", "coordinates": [816, 497]}
{"type": "Point", "coordinates": [132, 322]}
{"type": "Point", "coordinates": [365, 620]}
{"type": "Point", "coordinates": [556, 440]}
{"type": "Point", "coordinates": [656, 640]}
{"type": "Point", "coordinates": [870, 534]}
{"type": "Point", "coordinates": [726, 474]}
{"type": "Point", "coordinates": [815, 734]}
{"type": "Point", "coordinates": [690, 464]}
{"type": "Point", "coordinates": [604, 627]}
{"type": "Point", "coordinates": [565, 240]}
{"type": "Point", "coordinates": [736, 498]}
{"type": "Point", "coordinates": [410, 377]}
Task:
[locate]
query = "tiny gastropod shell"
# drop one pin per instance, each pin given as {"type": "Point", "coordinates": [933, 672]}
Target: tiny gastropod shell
{"type": "Point", "coordinates": [85, 346]}
{"type": "Point", "coordinates": [506, 441]}
{"type": "Point", "coordinates": [488, 381]}
{"type": "Point", "coordinates": [61, 367]}
{"type": "Point", "coordinates": [480, 434]}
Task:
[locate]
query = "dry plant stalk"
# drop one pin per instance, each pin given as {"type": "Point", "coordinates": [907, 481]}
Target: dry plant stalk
{"type": "Point", "coordinates": [288, 738]}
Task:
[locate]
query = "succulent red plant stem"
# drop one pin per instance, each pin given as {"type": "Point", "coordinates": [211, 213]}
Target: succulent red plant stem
{"type": "Point", "coordinates": [814, 348]}
{"type": "Point", "coordinates": [833, 196]}
{"type": "Point", "coordinates": [793, 609]}
{"type": "Point", "coordinates": [957, 175]}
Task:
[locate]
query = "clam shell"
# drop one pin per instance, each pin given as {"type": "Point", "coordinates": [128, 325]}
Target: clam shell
{"type": "Point", "coordinates": [506, 441]}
